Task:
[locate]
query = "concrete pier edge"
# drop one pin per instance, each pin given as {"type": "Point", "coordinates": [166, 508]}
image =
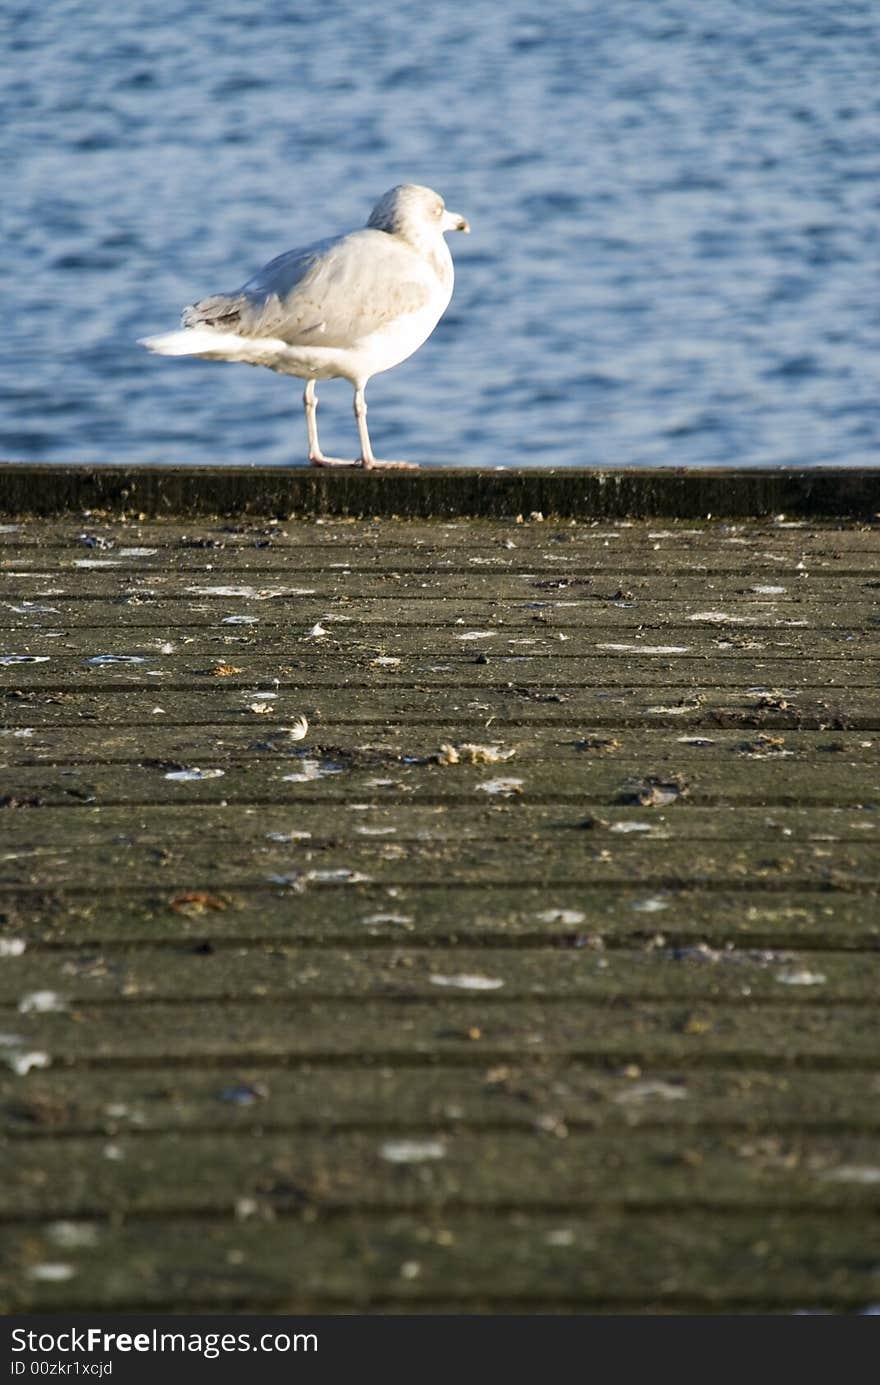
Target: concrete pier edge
{"type": "Point", "coordinates": [47, 489]}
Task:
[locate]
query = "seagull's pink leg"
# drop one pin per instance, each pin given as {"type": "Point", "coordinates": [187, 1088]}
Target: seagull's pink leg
{"type": "Point", "coordinates": [367, 460]}
{"type": "Point", "coordinates": [316, 456]}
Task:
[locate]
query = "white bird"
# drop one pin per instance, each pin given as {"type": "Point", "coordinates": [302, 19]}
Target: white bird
{"type": "Point", "coordinates": [350, 307]}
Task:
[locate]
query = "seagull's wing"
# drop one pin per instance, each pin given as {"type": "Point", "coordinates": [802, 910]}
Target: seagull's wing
{"type": "Point", "coordinates": [333, 293]}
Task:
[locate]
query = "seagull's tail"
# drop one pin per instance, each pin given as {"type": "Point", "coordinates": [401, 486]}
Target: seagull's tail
{"type": "Point", "coordinates": [185, 342]}
{"type": "Point", "coordinates": [213, 345]}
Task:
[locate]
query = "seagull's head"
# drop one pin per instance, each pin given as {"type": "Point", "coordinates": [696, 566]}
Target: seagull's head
{"type": "Point", "coordinates": [410, 210]}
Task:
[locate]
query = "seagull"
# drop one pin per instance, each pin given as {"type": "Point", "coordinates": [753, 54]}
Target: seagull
{"type": "Point", "coordinates": [349, 306]}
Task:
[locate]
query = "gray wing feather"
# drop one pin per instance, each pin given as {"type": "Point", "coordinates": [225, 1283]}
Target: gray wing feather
{"type": "Point", "coordinates": [332, 293]}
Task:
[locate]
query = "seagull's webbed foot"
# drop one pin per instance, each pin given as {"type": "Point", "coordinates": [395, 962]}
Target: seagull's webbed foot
{"type": "Point", "coordinates": [374, 463]}
{"type": "Point", "coordinates": [362, 463]}
{"type": "Point", "coordinates": [318, 459]}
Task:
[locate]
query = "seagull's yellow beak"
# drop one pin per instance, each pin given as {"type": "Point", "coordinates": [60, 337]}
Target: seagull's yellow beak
{"type": "Point", "coordinates": [452, 221]}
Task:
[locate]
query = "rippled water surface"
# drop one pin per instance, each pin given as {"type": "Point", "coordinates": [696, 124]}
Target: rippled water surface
{"type": "Point", "coordinates": [674, 209]}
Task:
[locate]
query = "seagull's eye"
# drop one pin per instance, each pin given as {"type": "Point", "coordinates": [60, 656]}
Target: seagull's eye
{"type": "Point", "coordinates": [438, 210]}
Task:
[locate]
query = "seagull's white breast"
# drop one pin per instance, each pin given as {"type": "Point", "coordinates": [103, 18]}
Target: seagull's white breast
{"type": "Point", "coordinates": [407, 303]}
{"type": "Point", "coordinates": [381, 349]}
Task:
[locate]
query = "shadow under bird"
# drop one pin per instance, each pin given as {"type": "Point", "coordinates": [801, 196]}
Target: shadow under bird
{"type": "Point", "coordinates": [347, 307]}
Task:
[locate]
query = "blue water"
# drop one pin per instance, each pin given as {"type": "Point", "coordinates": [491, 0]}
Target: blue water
{"type": "Point", "coordinates": [674, 207]}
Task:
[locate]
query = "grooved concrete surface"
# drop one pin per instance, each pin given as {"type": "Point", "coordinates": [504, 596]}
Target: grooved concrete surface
{"type": "Point", "coordinates": [538, 973]}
